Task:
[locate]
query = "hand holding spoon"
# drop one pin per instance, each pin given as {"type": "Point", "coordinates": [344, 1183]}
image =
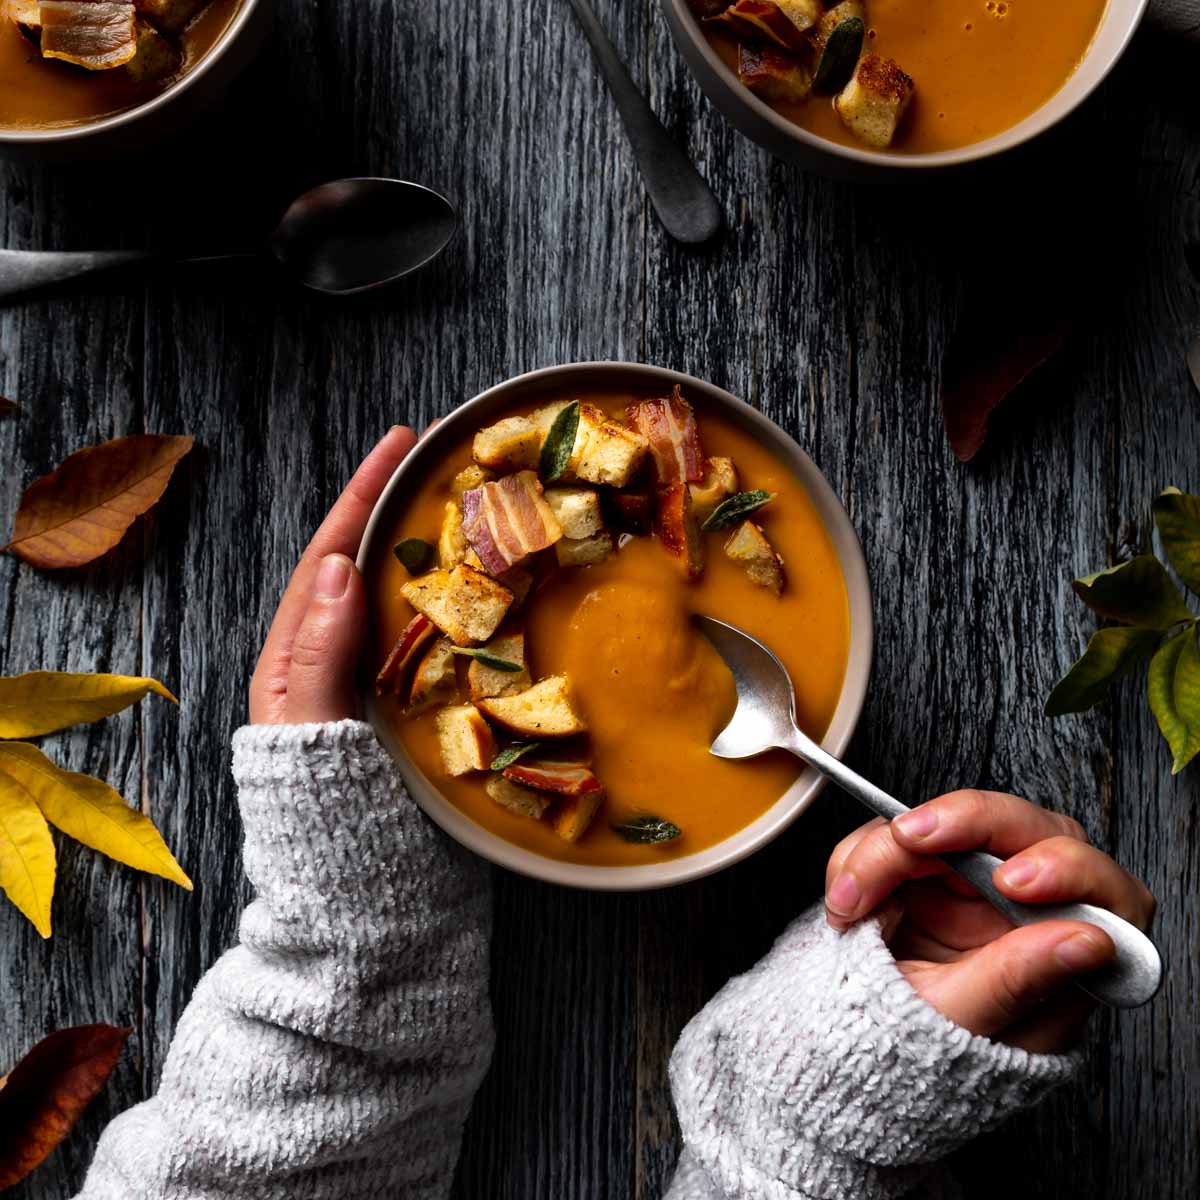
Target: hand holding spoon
{"type": "Point", "coordinates": [765, 719]}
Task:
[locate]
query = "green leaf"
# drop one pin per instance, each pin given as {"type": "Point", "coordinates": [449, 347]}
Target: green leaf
{"type": "Point", "coordinates": [839, 55]}
{"type": "Point", "coordinates": [488, 660]}
{"type": "Point", "coordinates": [1173, 687]}
{"type": "Point", "coordinates": [1177, 516]}
{"type": "Point", "coordinates": [415, 553]}
{"type": "Point", "coordinates": [507, 757]}
{"type": "Point", "coordinates": [1110, 654]}
{"type": "Point", "coordinates": [1138, 592]}
{"type": "Point", "coordinates": [559, 443]}
{"type": "Point", "coordinates": [730, 511]}
{"type": "Point", "coordinates": [647, 830]}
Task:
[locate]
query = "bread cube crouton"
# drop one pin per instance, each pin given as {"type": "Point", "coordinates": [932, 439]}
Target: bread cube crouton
{"type": "Point", "coordinates": [872, 104]}
{"type": "Point", "coordinates": [513, 444]}
{"type": "Point", "coordinates": [577, 510]}
{"type": "Point", "coordinates": [435, 677]}
{"type": "Point", "coordinates": [719, 483]}
{"type": "Point", "coordinates": [465, 740]}
{"type": "Point", "coordinates": [155, 57]}
{"type": "Point", "coordinates": [773, 74]}
{"type": "Point", "coordinates": [754, 20]}
{"type": "Point", "coordinates": [523, 801]}
{"type": "Point", "coordinates": [677, 530]}
{"type": "Point", "coordinates": [467, 479]}
{"type": "Point", "coordinates": [832, 18]}
{"type": "Point", "coordinates": [171, 16]}
{"type": "Point", "coordinates": [804, 14]}
{"type": "Point", "coordinates": [574, 814]}
{"type": "Point", "coordinates": [542, 711]}
{"type": "Point", "coordinates": [583, 552]}
{"type": "Point", "coordinates": [465, 604]}
{"type": "Point", "coordinates": [452, 542]}
{"type": "Point", "coordinates": [485, 682]}
{"type": "Point", "coordinates": [748, 545]}
{"type": "Point", "coordinates": [610, 453]}
{"type": "Point", "coordinates": [410, 646]}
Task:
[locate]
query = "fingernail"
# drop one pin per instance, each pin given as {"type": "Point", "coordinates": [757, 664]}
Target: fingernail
{"type": "Point", "coordinates": [1081, 952]}
{"type": "Point", "coordinates": [844, 895]}
{"type": "Point", "coordinates": [919, 823]}
{"type": "Point", "coordinates": [332, 577]}
{"type": "Point", "coordinates": [1019, 873]}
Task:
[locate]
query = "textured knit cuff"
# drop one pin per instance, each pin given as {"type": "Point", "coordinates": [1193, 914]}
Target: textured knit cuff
{"type": "Point", "coordinates": [822, 1073]}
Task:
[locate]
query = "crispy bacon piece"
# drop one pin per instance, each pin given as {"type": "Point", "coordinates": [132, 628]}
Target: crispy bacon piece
{"type": "Point", "coordinates": [675, 524]}
{"type": "Point", "coordinates": [564, 778]}
{"type": "Point", "coordinates": [94, 34]}
{"type": "Point", "coordinates": [508, 520]}
{"type": "Point", "coordinates": [417, 635]}
{"type": "Point", "coordinates": [759, 19]}
{"type": "Point", "coordinates": [669, 424]}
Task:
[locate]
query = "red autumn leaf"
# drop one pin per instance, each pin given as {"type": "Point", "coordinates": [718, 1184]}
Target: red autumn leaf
{"type": "Point", "coordinates": [984, 362]}
{"type": "Point", "coordinates": [82, 510]}
{"type": "Point", "coordinates": [47, 1092]}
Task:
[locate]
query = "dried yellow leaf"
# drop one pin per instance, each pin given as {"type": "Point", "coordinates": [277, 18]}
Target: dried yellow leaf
{"type": "Point", "coordinates": [27, 860]}
{"type": "Point", "coordinates": [90, 811]}
{"type": "Point", "coordinates": [43, 701]}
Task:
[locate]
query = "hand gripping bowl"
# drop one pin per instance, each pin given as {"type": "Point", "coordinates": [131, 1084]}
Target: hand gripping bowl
{"type": "Point", "coordinates": [530, 389]}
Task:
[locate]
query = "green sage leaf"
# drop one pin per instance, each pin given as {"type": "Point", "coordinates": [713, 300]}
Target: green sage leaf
{"type": "Point", "coordinates": [487, 660]}
{"type": "Point", "coordinates": [559, 443]}
{"type": "Point", "coordinates": [1111, 654]}
{"type": "Point", "coordinates": [1138, 592]}
{"type": "Point", "coordinates": [647, 830]}
{"type": "Point", "coordinates": [507, 757]}
{"type": "Point", "coordinates": [730, 511]}
{"type": "Point", "coordinates": [415, 553]}
{"type": "Point", "coordinates": [839, 55]}
{"type": "Point", "coordinates": [1177, 516]}
{"type": "Point", "coordinates": [1173, 688]}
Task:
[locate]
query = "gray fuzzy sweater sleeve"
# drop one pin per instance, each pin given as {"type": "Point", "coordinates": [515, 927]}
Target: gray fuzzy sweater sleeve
{"type": "Point", "coordinates": [822, 1075]}
{"type": "Point", "coordinates": [334, 1052]}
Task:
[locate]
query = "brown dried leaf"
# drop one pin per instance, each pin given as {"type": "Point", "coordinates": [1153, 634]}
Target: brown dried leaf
{"type": "Point", "coordinates": [7, 406]}
{"type": "Point", "coordinates": [82, 510]}
{"type": "Point", "coordinates": [47, 1092]}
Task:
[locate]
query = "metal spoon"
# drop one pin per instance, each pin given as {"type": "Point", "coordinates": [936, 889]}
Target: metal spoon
{"type": "Point", "coordinates": [340, 238]}
{"type": "Point", "coordinates": [684, 202]}
{"type": "Point", "coordinates": [765, 719]}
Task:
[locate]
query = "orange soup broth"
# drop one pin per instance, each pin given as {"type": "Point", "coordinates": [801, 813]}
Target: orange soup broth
{"type": "Point", "coordinates": [651, 689]}
{"type": "Point", "coordinates": [980, 66]}
{"type": "Point", "coordinates": [39, 93]}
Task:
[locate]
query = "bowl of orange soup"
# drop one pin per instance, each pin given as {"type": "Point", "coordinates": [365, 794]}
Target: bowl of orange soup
{"type": "Point", "coordinates": [888, 86]}
{"type": "Point", "coordinates": [83, 79]}
{"type": "Point", "coordinates": [532, 569]}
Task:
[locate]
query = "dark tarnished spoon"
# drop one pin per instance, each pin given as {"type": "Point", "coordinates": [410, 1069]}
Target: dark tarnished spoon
{"type": "Point", "coordinates": [340, 238]}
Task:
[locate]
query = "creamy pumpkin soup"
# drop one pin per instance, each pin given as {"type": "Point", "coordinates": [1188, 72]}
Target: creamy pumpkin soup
{"type": "Point", "coordinates": [533, 640]}
{"type": "Point", "coordinates": [915, 77]}
{"type": "Point", "coordinates": [64, 62]}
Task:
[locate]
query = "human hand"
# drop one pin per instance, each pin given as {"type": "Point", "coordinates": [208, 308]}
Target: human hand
{"type": "Point", "coordinates": [1010, 984]}
{"type": "Point", "coordinates": [307, 666]}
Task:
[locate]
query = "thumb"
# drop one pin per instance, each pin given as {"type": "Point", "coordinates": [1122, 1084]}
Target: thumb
{"type": "Point", "coordinates": [327, 646]}
{"type": "Point", "coordinates": [991, 988]}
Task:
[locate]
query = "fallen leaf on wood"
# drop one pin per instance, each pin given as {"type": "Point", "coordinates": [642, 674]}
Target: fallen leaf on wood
{"type": "Point", "coordinates": [27, 858]}
{"type": "Point", "coordinates": [47, 1091]}
{"type": "Point", "coordinates": [43, 701]}
{"type": "Point", "coordinates": [7, 406]}
{"type": "Point", "coordinates": [82, 510]}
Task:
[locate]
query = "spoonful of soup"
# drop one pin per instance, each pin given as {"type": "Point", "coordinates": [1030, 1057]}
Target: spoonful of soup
{"type": "Point", "coordinates": [340, 238]}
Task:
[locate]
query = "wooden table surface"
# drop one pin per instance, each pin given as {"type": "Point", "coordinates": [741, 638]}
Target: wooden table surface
{"type": "Point", "coordinates": [825, 304]}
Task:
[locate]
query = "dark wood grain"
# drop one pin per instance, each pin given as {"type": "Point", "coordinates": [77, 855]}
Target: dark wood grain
{"type": "Point", "coordinates": [826, 305]}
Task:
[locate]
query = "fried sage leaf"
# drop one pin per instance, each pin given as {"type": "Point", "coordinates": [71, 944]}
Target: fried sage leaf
{"type": "Point", "coordinates": [1111, 654]}
{"type": "Point", "coordinates": [839, 55]}
{"type": "Point", "coordinates": [1177, 516]}
{"type": "Point", "coordinates": [43, 701]}
{"type": "Point", "coordinates": [730, 511]}
{"type": "Point", "coordinates": [46, 1092]}
{"type": "Point", "coordinates": [415, 554]}
{"type": "Point", "coordinates": [647, 830]}
{"type": "Point", "coordinates": [1173, 688]}
{"type": "Point", "coordinates": [509, 755]}
{"type": "Point", "coordinates": [488, 660]}
{"type": "Point", "coordinates": [1138, 592]}
{"type": "Point", "coordinates": [559, 443]}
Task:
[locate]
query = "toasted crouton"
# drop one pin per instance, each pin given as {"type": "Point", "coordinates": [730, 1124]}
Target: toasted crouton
{"type": "Point", "coordinates": [676, 527]}
{"type": "Point", "coordinates": [583, 552]}
{"type": "Point", "coordinates": [155, 57]}
{"type": "Point", "coordinates": [523, 801]}
{"type": "Point", "coordinates": [574, 814]}
{"type": "Point", "coordinates": [452, 542]}
{"type": "Point", "coordinates": [610, 453]}
{"type": "Point", "coordinates": [513, 444]}
{"type": "Point", "coordinates": [773, 74]}
{"type": "Point", "coordinates": [804, 14]}
{"type": "Point", "coordinates": [465, 740]}
{"type": "Point", "coordinates": [467, 479]}
{"type": "Point", "coordinates": [832, 18]}
{"type": "Point", "coordinates": [542, 711]}
{"type": "Point", "coordinates": [485, 682]}
{"type": "Point", "coordinates": [577, 510]}
{"type": "Point", "coordinates": [719, 483]}
{"type": "Point", "coordinates": [465, 604]}
{"type": "Point", "coordinates": [435, 677]}
{"type": "Point", "coordinates": [171, 16]}
{"type": "Point", "coordinates": [748, 545]}
{"type": "Point", "coordinates": [873, 102]}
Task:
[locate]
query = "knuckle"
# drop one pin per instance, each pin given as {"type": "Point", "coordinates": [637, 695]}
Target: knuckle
{"type": "Point", "coordinates": [1071, 828]}
{"type": "Point", "coordinates": [313, 644]}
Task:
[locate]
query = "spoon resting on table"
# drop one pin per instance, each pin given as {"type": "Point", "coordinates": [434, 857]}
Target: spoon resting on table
{"type": "Point", "coordinates": [340, 238]}
{"type": "Point", "coordinates": [765, 719]}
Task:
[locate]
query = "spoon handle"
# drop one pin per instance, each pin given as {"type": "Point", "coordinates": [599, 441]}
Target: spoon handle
{"type": "Point", "coordinates": [1129, 981]}
{"type": "Point", "coordinates": [684, 202]}
{"type": "Point", "coordinates": [26, 270]}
